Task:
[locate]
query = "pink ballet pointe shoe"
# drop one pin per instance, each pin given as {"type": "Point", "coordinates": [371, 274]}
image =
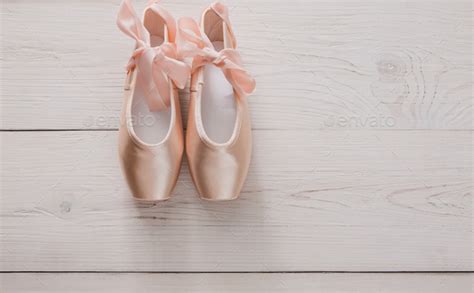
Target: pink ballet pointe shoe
{"type": "Point", "coordinates": [151, 134]}
{"type": "Point", "coordinates": [218, 135]}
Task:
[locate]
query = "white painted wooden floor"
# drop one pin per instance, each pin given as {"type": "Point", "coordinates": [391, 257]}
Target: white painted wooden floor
{"type": "Point", "coordinates": [361, 178]}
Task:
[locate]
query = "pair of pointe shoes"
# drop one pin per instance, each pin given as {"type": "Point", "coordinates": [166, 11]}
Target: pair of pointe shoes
{"type": "Point", "coordinates": [218, 136]}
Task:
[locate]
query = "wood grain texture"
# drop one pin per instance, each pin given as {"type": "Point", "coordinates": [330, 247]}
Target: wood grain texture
{"type": "Point", "coordinates": [329, 283]}
{"type": "Point", "coordinates": [314, 200]}
{"type": "Point", "coordinates": [318, 64]}
{"type": "Point", "coordinates": [362, 154]}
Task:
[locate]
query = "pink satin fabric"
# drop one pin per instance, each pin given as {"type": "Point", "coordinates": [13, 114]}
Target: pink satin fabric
{"type": "Point", "coordinates": [221, 10]}
{"type": "Point", "coordinates": [151, 170]}
{"type": "Point", "coordinates": [218, 170]}
{"type": "Point", "coordinates": [155, 66]}
{"type": "Point", "coordinates": [192, 43]}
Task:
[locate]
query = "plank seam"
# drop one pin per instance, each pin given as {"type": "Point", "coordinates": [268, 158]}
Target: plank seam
{"type": "Point", "coordinates": [237, 272]}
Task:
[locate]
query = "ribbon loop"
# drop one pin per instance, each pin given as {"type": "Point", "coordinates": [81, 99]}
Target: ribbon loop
{"type": "Point", "coordinates": [155, 66]}
{"type": "Point", "coordinates": [193, 43]}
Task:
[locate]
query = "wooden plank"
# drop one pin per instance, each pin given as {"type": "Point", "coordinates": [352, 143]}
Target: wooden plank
{"type": "Point", "coordinates": [318, 64]}
{"type": "Point", "coordinates": [254, 282]}
{"type": "Point", "coordinates": [314, 200]}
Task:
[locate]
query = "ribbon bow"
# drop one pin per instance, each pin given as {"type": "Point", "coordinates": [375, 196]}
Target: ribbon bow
{"type": "Point", "coordinates": [156, 66]}
{"type": "Point", "coordinates": [192, 43]}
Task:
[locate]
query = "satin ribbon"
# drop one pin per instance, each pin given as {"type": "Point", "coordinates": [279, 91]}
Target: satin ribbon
{"type": "Point", "coordinates": [221, 10]}
{"type": "Point", "coordinates": [193, 43]}
{"type": "Point", "coordinates": [156, 66]}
